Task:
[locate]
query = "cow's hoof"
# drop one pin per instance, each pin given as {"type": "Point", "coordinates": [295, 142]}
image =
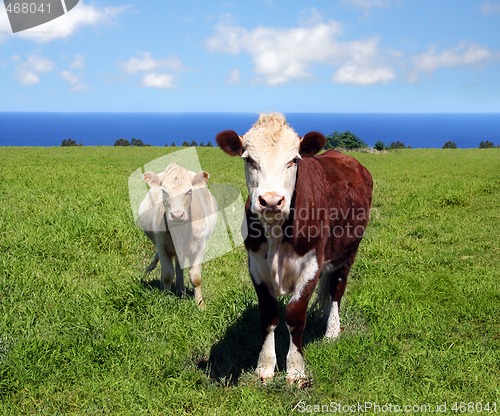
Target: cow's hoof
{"type": "Point", "coordinates": [201, 305]}
{"type": "Point", "coordinates": [266, 375]}
{"type": "Point", "coordinates": [299, 379]}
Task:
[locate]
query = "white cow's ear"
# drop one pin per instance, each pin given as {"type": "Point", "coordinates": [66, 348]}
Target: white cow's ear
{"type": "Point", "coordinates": [230, 142]}
{"type": "Point", "coordinates": [151, 179]}
{"type": "Point", "coordinates": [201, 178]}
{"type": "Point", "coordinates": [311, 143]}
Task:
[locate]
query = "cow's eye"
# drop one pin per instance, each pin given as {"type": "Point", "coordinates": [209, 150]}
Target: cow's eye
{"type": "Point", "coordinates": [251, 163]}
{"type": "Point", "coordinates": [292, 162]}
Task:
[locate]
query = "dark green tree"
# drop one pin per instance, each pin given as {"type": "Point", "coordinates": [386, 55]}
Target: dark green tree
{"type": "Point", "coordinates": [70, 142]}
{"type": "Point", "coordinates": [136, 142]}
{"type": "Point", "coordinates": [185, 143]}
{"type": "Point", "coordinates": [449, 145]}
{"type": "Point", "coordinates": [209, 144]}
{"type": "Point", "coordinates": [346, 140]}
{"type": "Point", "coordinates": [193, 143]}
{"type": "Point", "coordinates": [122, 142]}
{"type": "Point", "coordinates": [486, 144]}
{"type": "Point", "coordinates": [379, 145]}
{"type": "Point", "coordinates": [397, 145]}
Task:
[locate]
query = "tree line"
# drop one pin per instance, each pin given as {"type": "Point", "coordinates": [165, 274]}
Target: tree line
{"type": "Point", "coordinates": [337, 140]}
{"type": "Point", "coordinates": [350, 141]}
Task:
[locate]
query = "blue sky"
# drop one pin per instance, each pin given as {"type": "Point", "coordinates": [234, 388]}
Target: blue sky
{"type": "Point", "coordinates": [259, 55]}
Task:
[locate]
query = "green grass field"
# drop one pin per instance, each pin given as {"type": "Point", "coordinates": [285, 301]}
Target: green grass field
{"type": "Point", "coordinates": [80, 333]}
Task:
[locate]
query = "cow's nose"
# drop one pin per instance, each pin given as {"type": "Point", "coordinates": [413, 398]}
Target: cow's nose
{"type": "Point", "coordinates": [272, 201]}
{"type": "Point", "coordinates": [178, 215]}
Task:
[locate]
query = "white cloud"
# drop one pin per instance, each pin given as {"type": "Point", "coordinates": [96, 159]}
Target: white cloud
{"type": "Point", "coordinates": [74, 80]}
{"type": "Point", "coordinates": [234, 77]}
{"type": "Point", "coordinates": [462, 55]}
{"type": "Point", "coordinates": [5, 28]}
{"type": "Point", "coordinates": [147, 65]}
{"type": "Point", "coordinates": [489, 8]}
{"type": "Point", "coordinates": [145, 62]}
{"type": "Point", "coordinates": [74, 77]}
{"type": "Point", "coordinates": [359, 75]}
{"type": "Point", "coordinates": [67, 25]}
{"type": "Point", "coordinates": [78, 62]}
{"type": "Point", "coordinates": [28, 71]}
{"type": "Point", "coordinates": [281, 55]}
{"type": "Point", "coordinates": [155, 80]}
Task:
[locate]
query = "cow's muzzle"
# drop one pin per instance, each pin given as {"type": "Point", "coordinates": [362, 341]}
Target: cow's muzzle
{"type": "Point", "coordinates": [178, 216]}
{"type": "Point", "coordinates": [271, 202]}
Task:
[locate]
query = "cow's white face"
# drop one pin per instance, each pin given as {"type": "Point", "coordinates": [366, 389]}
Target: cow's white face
{"type": "Point", "coordinates": [177, 185]}
{"type": "Point", "coordinates": [272, 150]}
{"type": "Point", "coordinates": [271, 155]}
{"type": "Point", "coordinates": [177, 202]}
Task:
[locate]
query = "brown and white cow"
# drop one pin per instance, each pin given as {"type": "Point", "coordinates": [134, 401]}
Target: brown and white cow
{"type": "Point", "coordinates": [178, 214]}
{"type": "Point", "coordinates": [306, 216]}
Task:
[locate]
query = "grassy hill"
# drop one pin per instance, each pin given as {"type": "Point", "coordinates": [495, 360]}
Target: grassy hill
{"type": "Point", "coordinates": [80, 333]}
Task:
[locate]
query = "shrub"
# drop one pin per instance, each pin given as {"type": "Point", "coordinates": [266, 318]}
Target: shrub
{"type": "Point", "coordinates": [379, 145]}
{"type": "Point", "coordinates": [345, 140]}
{"type": "Point", "coordinates": [486, 144]}
{"type": "Point", "coordinates": [449, 145]}
{"type": "Point", "coordinates": [136, 142]}
{"type": "Point", "coordinates": [122, 142]}
{"type": "Point", "coordinates": [70, 142]}
{"type": "Point", "coordinates": [397, 145]}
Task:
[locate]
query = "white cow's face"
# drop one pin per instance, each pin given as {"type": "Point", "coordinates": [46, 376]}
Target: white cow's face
{"type": "Point", "coordinates": [177, 202]}
{"type": "Point", "coordinates": [177, 185]}
{"type": "Point", "coordinates": [272, 151]}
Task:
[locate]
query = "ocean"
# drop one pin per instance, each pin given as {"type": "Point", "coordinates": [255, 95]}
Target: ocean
{"type": "Point", "coordinates": [160, 129]}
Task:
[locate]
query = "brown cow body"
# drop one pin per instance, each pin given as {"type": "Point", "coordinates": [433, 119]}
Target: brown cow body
{"type": "Point", "coordinates": [323, 219]}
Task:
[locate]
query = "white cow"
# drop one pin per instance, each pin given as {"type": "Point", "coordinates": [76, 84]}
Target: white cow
{"type": "Point", "coordinates": [178, 214]}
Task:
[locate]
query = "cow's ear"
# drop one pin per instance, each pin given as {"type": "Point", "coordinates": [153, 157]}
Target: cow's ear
{"type": "Point", "coordinates": [201, 178]}
{"type": "Point", "coordinates": [311, 143]}
{"type": "Point", "coordinates": [151, 179]}
{"type": "Point", "coordinates": [230, 142]}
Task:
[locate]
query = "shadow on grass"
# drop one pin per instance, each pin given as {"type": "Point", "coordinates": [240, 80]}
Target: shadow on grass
{"type": "Point", "coordinates": [155, 285]}
{"type": "Point", "coordinates": [237, 352]}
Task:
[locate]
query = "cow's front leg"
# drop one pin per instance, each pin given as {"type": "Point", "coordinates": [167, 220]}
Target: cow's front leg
{"type": "Point", "coordinates": [167, 271]}
{"type": "Point", "coordinates": [179, 278]}
{"type": "Point", "coordinates": [295, 316]}
{"type": "Point", "coordinates": [269, 319]}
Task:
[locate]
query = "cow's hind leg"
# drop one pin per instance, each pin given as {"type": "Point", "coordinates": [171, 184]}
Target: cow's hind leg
{"type": "Point", "coordinates": [337, 282]}
{"type": "Point", "coordinates": [269, 319]}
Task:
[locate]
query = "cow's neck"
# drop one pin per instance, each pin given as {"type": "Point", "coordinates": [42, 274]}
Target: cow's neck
{"type": "Point", "coordinates": [274, 236]}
